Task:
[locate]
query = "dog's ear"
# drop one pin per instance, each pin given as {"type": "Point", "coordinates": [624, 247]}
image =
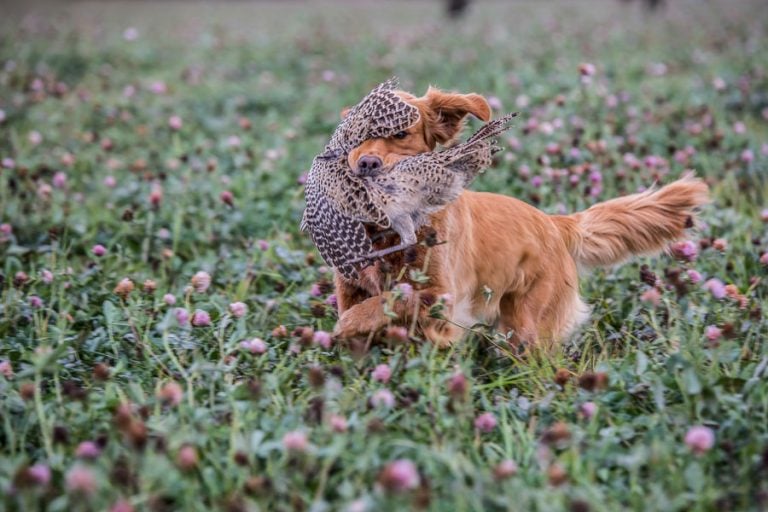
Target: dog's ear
{"type": "Point", "coordinates": [345, 112]}
{"type": "Point", "coordinates": [450, 110]}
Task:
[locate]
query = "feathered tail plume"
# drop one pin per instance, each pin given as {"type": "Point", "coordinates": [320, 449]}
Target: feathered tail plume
{"type": "Point", "coordinates": [479, 143]}
{"type": "Point", "coordinates": [492, 129]}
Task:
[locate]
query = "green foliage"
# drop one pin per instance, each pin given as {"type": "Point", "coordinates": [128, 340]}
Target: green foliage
{"type": "Point", "coordinates": [189, 418]}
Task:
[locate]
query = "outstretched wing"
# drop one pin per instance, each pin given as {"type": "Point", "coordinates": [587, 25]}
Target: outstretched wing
{"type": "Point", "coordinates": [491, 129]}
{"type": "Point", "coordinates": [424, 183]}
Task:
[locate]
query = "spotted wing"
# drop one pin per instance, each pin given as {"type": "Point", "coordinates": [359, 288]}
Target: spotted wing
{"type": "Point", "coordinates": [430, 179]}
{"type": "Point", "coordinates": [338, 238]}
{"type": "Point", "coordinates": [436, 170]}
{"type": "Point", "coordinates": [416, 184]}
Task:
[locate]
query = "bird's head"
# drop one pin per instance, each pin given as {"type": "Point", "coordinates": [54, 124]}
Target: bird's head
{"type": "Point", "coordinates": [441, 119]}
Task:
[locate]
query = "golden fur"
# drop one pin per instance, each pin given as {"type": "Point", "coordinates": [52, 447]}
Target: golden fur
{"type": "Point", "coordinates": [505, 262]}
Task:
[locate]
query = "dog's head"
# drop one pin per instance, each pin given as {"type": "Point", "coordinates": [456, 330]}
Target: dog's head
{"type": "Point", "coordinates": [442, 116]}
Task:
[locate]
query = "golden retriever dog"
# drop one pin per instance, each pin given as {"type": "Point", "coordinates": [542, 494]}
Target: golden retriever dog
{"type": "Point", "coordinates": [504, 263]}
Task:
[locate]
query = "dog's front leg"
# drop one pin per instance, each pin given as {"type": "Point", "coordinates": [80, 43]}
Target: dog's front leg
{"type": "Point", "coordinates": [376, 313]}
{"type": "Point", "coordinates": [362, 318]}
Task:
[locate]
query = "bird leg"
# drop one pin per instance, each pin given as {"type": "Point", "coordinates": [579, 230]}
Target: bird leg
{"type": "Point", "coordinates": [379, 235]}
{"type": "Point", "coordinates": [403, 226]}
{"type": "Point", "coordinates": [381, 253]}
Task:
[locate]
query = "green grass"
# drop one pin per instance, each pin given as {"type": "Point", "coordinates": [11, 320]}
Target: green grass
{"type": "Point", "coordinates": [86, 364]}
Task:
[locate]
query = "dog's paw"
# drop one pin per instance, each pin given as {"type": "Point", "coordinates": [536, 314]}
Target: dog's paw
{"type": "Point", "coordinates": [443, 333]}
{"type": "Point", "coordinates": [345, 326]}
{"type": "Point", "coordinates": [363, 318]}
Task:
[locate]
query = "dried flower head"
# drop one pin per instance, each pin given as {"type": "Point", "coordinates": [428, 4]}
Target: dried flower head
{"type": "Point", "coordinates": [101, 372]}
{"type": "Point", "coordinates": [557, 475]}
{"type": "Point", "coordinates": [124, 288]}
{"type": "Point", "coordinates": [720, 244]}
{"type": "Point", "coordinates": [20, 279]}
{"type": "Point", "coordinates": [556, 433]}
{"type": "Point", "coordinates": [149, 286]}
{"type": "Point", "coordinates": [562, 376]}
{"type": "Point", "coordinates": [592, 381]}
{"type": "Point", "coordinates": [587, 69]}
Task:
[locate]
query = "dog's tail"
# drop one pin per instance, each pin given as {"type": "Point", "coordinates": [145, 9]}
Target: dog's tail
{"type": "Point", "coordinates": [613, 231]}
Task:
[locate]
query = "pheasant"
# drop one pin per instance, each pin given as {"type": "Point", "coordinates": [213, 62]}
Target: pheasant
{"type": "Point", "coordinates": [382, 113]}
{"type": "Point", "coordinates": [340, 203]}
{"type": "Point", "coordinates": [418, 186]}
{"type": "Point", "coordinates": [333, 193]}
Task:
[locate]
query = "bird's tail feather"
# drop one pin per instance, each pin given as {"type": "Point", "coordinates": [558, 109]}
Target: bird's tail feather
{"type": "Point", "coordinates": [479, 140]}
{"type": "Point", "coordinates": [492, 129]}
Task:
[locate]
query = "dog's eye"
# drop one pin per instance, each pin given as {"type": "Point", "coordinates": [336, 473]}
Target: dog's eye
{"type": "Point", "coordinates": [401, 135]}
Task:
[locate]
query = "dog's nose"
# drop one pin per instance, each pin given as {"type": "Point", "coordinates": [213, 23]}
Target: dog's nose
{"type": "Point", "coordinates": [368, 163]}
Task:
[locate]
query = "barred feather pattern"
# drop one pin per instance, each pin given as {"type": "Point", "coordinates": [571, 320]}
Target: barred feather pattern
{"type": "Point", "coordinates": [340, 203]}
{"type": "Point", "coordinates": [382, 113]}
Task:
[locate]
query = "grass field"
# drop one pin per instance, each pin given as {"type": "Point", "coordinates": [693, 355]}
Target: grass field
{"type": "Point", "coordinates": [146, 146]}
